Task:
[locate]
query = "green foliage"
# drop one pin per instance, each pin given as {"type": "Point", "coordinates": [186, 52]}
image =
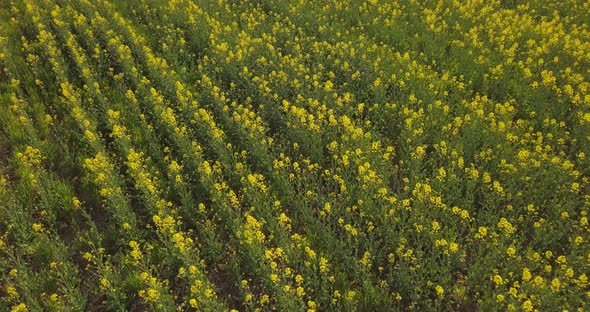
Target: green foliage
{"type": "Point", "coordinates": [294, 155]}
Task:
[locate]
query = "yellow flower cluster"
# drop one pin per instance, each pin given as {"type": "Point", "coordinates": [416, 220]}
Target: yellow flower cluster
{"type": "Point", "coordinates": [381, 147]}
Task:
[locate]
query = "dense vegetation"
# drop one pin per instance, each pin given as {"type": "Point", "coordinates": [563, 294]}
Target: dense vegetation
{"type": "Point", "coordinates": [294, 155]}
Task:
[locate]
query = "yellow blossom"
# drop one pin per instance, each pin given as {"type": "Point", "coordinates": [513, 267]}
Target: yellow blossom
{"type": "Point", "coordinates": [440, 291]}
{"type": "Point", "coordinates": [19, 308]}
{"type": "Point", "coordinates": [37, 227]}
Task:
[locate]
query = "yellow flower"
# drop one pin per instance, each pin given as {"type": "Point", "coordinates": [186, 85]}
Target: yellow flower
{"type": "Point", "coordinates": [498, 280]}
{"type": "Point", "coordinates": [11, 291]}
{"type": "Point", "coordinates": [310, 252]}
{"type": "Point", "coordinates": [135, 251]}
{"type": "Point", "coordinates": [513, 292]}
{"type": "Point", "coordinates": [118, 131]}
{"type": "Point", "coordinates": [87, 256]}
{"type": "Point", "coordinates": [152, 294]}
{"type": "Point", "coordinates": [511, 251]}
{"type": "Point", "coordinates": [350, 295]}
{"type": "Point", "coordinates": [555, 284]}
{"type": "Point", "coordinates": [283, 219]}
{"type": "Point", "coordinates": [548, 268]}
{"type": "Point", "coordinates": [582, 280]}
{"type": "Point", "coordinates": [420, 151]}
{"type": "Point", "coordinates": [526, 275]}
{"type": "Point", "coordinates": [575, 187]}
{"type": "Point", "coordinates": [298, 279]}
{"type": "Point", "coordinates": [337, 294]}
{"type": "Point", "coordinates": [206, 168]}
{"type": "Point", "coordinates": [481, 232]}
{"type": "Point", "coordinates": [300, 291]}
{"type": "Point", "coordinates": [440, 291]}
{"type": "Point", "coordinates": [324, 264]}
{"type": "Point", "coordinates": [37, 227]}
{"type": "Point", "coordinates": [435, 226]}
{"type": "Point", "coordinates": [76, 202]}
{"type": "Point", "coordinates": [274, 277]}
{"type": "Point", "coordinates": [527, 306]}
{"type": "Point", "coordinates": [328, 85]}
{"type": "Point", "coordinates": [104, 283]}
{"type": "Point", "coordinates": [391, 258]}
{"type": "Point", "coordinates": [19, 308]}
